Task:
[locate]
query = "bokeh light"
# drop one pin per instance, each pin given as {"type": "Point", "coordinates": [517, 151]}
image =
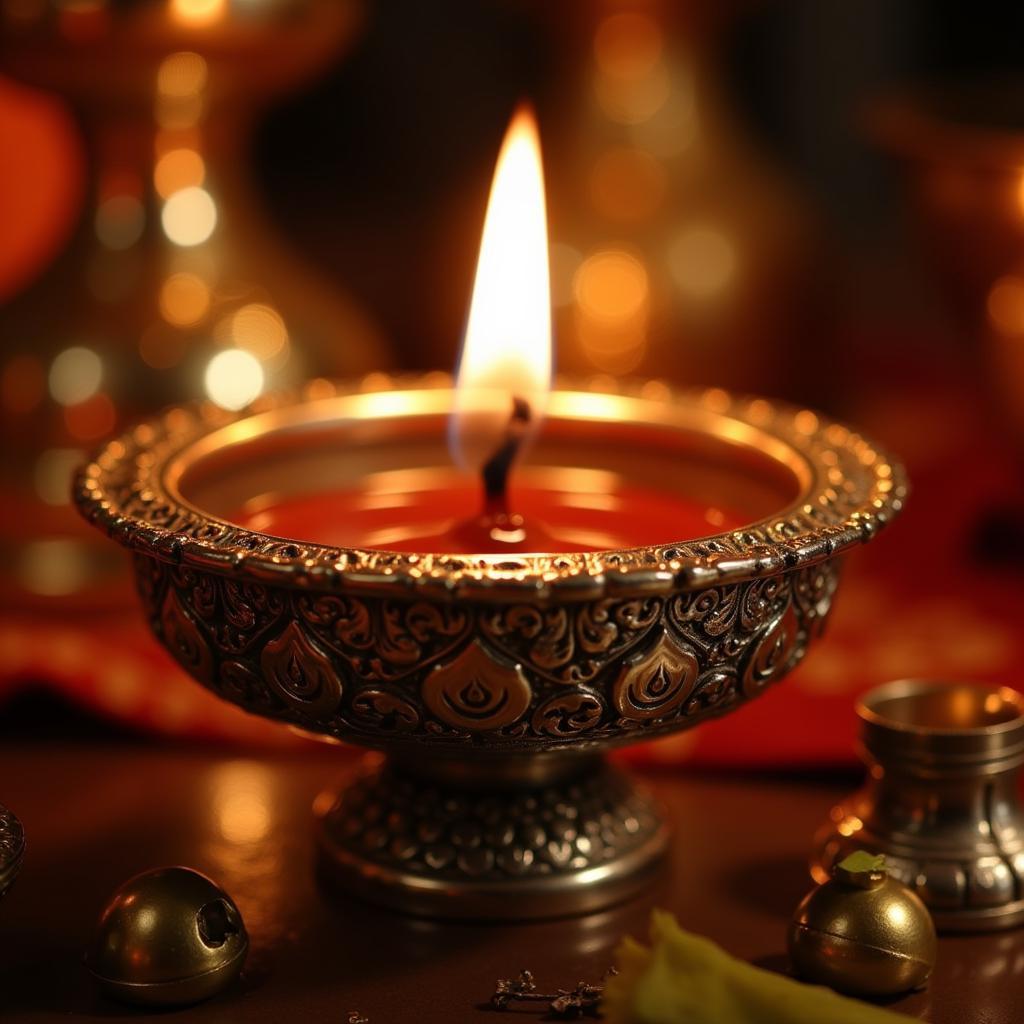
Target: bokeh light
{"type": "Point", "coordinates": [633, 102]}
{"type": "Point", "coordinates": [198, 12]}
{"type": "Point", "coordinates": [611, 285]}
{"type": "Point", "coordinates": [259, 329]}
{"type": "Point", "coordinates": [612, 300]}
{"type": "Point", "coordinates": [180, 84]}
{"type": "Point", "coordinates": [52, 474]}
{"type": "Point", "coordinates": [632, 82]}
{"type": "Point", "coordinates": [54, 567]}
{"type": "Point", "coordinates": [189, 216]}
{"type": "Point", "coordinates": [1005, 305]}
{"type": "Point", "coordinates": [120, 221]}
{"type": "Point", "coordinates": [702, 260]}
{"type": "Point", "coordinates": [234, 378]}
{"type": "Point", "coordinates": [181, 75]}
{"type": "Point", "coordinates": [627, 45]}
{"type": "Point", "coordinates": [75, 375]}
{"type": "Point", "coordinates": [241, 801]}
{"type": "Point", "coordinates": [184, 299]}
{"type": "Point", "coordinates": [178, 169]}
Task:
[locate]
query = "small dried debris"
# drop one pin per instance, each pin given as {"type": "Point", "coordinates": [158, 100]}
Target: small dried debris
{"type": "Point", "coordinates": [565, 1003]}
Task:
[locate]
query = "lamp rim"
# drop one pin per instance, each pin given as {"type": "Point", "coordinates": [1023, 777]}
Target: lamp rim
{"type": "Point", "coordinates": [849, 489]}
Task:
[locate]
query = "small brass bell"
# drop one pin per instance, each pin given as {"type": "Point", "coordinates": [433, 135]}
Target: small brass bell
{"type": "Point", "coordinates": [862, 932]}
{"type": "Point", "coordinates": [168, 937]}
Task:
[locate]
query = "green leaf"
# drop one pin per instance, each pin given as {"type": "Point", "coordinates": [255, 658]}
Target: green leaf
{"type": "Point", "coordinates": [860, 861]}
{"type": "Point", "coordinates": [686, 979]}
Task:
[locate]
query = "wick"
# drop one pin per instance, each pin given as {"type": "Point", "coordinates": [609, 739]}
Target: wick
{"type": "Point", "coordinates": [496, 469]}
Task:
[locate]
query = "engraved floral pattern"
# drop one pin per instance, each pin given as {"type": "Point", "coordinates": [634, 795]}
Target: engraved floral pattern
{"type": "Point", "coordinates": [567, 643]}
{"type": "Point", "coordinates": [534, 652]}
{"type": "Point", "coordinates": [599, 673]}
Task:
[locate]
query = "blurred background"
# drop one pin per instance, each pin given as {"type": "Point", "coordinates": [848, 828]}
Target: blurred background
{"type": "Point", "coordinates": [813, 199]}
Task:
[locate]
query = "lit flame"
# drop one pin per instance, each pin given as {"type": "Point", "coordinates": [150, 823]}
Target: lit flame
{"type": "Point", "coordinates": [506, 355]}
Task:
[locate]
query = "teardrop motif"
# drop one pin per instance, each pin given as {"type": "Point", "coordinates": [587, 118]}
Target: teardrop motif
{"type": "Point", "coordinates": [656, 683]}
{"type": "Point", "coordinates": [476, 692]}
{"type": "Point", "coordinates": [301, 674]}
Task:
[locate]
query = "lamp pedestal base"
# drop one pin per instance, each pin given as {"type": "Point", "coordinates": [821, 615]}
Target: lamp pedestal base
{"type": "Point", "coordinates": [489, 841]}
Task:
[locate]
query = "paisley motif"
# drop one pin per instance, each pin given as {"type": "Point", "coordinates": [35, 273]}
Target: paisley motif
{"type": "Point", "coordinates": [384, 640]}
{"type": "Point", "coordinates": [298, 672]}
{"type": "Point", "coordinates": [570, 643]}
{"type": "Point", "coordinates": [477, 692]}
{"type": "Point", "coordinates": [771, 654]}
{"type": "Point", "coordinates": [712, 690]}
{"type": "Point", "coordinates": [198, 591]}
{"type": "Point", "coordinates": [530, 676]}
{"type": "Point", "coordinates": [183, 639]}
{"type": "Point", "coordinates": [813, 589]}
{"type": "Point", "coordinates": [656, 683]}
{"type": "Point", "coordinates": [568, 714]}
{"type": "Point", "coordinates": [381, 709]}
{"type": "Point", "coordinates": [249, 610]}
{"type": "Point", "coordinates": [237, 683]}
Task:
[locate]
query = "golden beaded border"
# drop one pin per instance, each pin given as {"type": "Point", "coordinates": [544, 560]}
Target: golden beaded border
{"type": "Point", "coordinates": [855, 489]}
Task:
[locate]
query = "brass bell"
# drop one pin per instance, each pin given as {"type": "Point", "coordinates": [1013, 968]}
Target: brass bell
{"type": "Point", "coordinates": [862, 932]}
{"type": "Point", "coordinates": [167, 937]}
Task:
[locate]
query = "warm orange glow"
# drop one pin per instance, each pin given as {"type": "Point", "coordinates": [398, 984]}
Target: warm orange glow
{"type": "Point", "coordinates": [178, 169]}
{"type": "Point", "coordinates": [92, 419]}
{"type": "Point", "coordinates": [627, 45]}
{"type": "Point", "coordinates": [189, 216]}
{"type": "Point", "coordinates": [702, 259]}
{"type": "Point", "coordinates": [1006, 305]}
{"type": "Point", "coordinates": [259, 329]}
{"type": "Point", "coordinates": [180, 86]}
{"type": "Point", "coordinates": [198, 12]}
{"type": "Point", "coordinates": [612, 301]}
{"type": "Point", "coordinates": [627, 184]}
{"type": "Point", "coordinates": [181, 75]}
{"type": "Point", "coordinates": [632, 82]}
{"type": "Point", "coordinates": [184, 299]}
{"type": "Point", "coordinates": [507, 350]}
{"type": "Point", "coordinates": [611, 285]}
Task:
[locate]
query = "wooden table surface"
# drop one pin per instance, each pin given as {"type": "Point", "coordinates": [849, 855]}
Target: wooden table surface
{"type": "Point", "coordinates": [96, 813]}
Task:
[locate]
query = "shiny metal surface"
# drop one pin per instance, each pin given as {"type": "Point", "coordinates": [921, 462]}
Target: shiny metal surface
{"type": "Point", "coordinates": [734, 874]}
{"type": "Point", "coordinates": [941, 799]}
{"type": "Point", "coordinates": [490, 659]}
{"type": "Point", "coordinates": [495, 849]}
{"type": "Point", "coordinates": [12, 848]}
{"type": "Point", "coordinates": [168, 937]}
{"type": "Point", "coordinates": [864, 934]}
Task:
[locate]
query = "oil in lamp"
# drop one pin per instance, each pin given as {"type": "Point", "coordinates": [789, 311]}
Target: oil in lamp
{"type": "Point", "coordinates": [655, 559]}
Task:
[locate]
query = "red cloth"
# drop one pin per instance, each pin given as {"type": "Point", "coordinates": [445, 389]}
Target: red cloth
{"type": "Point", "coordinates": [911, 603]}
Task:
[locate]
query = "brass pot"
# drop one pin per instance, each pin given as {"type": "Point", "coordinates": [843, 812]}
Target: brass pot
{"type": "Point", "coordinates": [941, 799]}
